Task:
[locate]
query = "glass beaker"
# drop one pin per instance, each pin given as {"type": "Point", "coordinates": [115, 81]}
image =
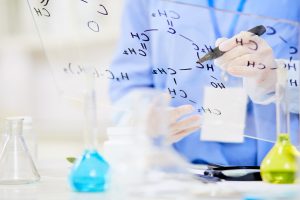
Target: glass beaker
{"type": "Point", "coordinates": [16, 164]}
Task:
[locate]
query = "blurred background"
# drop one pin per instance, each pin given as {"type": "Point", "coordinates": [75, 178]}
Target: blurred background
{"type": "Point", "coordinates": [27, 87]}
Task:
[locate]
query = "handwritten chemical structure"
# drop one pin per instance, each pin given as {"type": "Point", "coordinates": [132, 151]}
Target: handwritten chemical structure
{"type": "Point", "coordinates": [171, 16]}
{"type": "Point", "coordinates": [167, 22]}
{"type": "Point", "coordinates": [45, 2]}
{"type": "Point", "coordinates": [42, 10]}
{"type": "Point", "coordinates": [92, 24]}
{"type": "Point", "coordinates": [143, 38]}
{"type": "Point", "coordinates": [76, 69]}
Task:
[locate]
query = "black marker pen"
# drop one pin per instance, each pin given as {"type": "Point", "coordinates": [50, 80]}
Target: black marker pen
{"type": "Point", "coordinates": [215, 53]}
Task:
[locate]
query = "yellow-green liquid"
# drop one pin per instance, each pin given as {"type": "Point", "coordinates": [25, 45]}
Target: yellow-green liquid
{"type": "Point", "coordinates": [280, 164]}
{"type": "Point", "coordinates": [278, 177]}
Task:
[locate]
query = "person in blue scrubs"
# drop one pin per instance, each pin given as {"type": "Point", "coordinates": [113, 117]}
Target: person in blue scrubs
{"type": "Point", "coordinates": [169, 37]}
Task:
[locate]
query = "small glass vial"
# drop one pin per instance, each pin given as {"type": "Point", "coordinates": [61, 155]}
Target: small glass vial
{"type": "Point", "coordinates": [16, 164]}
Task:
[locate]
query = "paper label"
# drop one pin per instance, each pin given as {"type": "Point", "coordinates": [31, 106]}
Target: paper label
{"type": "Point", "coordinates": [228, 126]}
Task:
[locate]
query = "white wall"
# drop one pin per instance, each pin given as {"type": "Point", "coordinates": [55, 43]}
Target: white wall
{"type": "Point", "coordinates": [26, 82]}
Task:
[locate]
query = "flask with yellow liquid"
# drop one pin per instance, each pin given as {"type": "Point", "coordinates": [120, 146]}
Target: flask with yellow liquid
{"type": "Point", "coordinates": [280, 164]}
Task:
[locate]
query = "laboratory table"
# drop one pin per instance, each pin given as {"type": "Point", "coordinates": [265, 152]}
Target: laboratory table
{"type": "Point", "coordinates": [54, 169]}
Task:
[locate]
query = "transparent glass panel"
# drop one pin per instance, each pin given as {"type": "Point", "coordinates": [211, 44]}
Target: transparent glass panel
{"type": "Point", "coordinates": [192, 35]}
{"type": "Point", "coordinates": [180, 33]}
{"type": "Point", "coordinates": [77, 35]}
{"type": "Point", "coordinates": [159, 46]}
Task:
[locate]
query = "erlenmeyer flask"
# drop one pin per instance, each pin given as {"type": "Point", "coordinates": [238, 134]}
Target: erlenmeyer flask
{"type": "Point", "coordinates": [16, 164]}
{"type": "Point", "coordinates": [280, 164]}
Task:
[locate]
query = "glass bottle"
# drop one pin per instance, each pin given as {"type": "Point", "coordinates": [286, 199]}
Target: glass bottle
{"type": "Point", "coordinates": [89, 173]}
{"type": "Point", "coordinates": [16, 164]}
{"type": "Point", "coordinates": [280, 164]}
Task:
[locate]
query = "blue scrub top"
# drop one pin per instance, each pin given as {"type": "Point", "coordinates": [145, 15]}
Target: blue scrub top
{"type": "Point", "coordinates": [176, 51]}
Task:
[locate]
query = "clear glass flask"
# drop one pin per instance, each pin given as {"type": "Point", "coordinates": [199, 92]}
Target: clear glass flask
{"type": "Point", "coordinates": [90, 172]}
{"type": "Point", "coordinates": [280, 164]}
{"type": "Point", "coordinates": [16, 164]}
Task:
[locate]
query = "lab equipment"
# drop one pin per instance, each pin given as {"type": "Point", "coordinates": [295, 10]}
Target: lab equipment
{"type": "Point", "coordinates": [16, 164]}
{"type": "Point", "coordinates": [216, 52]}
{"type": "Point", "coordinates": [207, 179]}
{"type": "Point", "coordinates": [90, 171]}
{"type": "Point", "coordinates": [235, 173]}
{"type": "Point", "coordinates": [280, 164]}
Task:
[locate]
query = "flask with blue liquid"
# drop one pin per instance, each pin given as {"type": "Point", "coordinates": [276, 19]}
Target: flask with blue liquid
{"type": "Point", "coordinates": [90, 171]}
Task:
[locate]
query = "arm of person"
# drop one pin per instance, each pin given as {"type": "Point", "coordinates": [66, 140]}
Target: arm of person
{"type": "Point", "coordinates": [253, 60]}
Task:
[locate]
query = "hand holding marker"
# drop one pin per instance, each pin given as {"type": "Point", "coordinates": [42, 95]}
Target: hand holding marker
{"type": "Point", "coordinates": [216, 52]}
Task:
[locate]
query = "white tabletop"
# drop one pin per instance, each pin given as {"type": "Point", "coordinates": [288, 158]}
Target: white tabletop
{"type": "Point", "coordinates": [54, 170]}
{"type": "Point", "coordinates": [54, 185]}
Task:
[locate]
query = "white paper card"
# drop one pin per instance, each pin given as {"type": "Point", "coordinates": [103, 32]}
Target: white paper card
{"type": "Point", "coordinates": [226, 125]}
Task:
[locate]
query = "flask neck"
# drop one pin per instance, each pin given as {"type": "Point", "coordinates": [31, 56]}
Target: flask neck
{"type": "Point", "coordinates": [90, 121]}
{"type": "Point", "coordinates": [14, 126]}
{"type": "Point", "coordinates": [283, 138]}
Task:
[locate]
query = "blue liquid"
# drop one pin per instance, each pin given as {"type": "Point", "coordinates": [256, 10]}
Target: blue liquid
{"type": "Point", "coordinates": [89, 173]}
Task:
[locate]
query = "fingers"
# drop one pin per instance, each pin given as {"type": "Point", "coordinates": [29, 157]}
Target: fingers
{"type": "Point", "coordinates": [176, 113]}
{"type": "Point", "coordinates": [241, 38]}
{"type": "Point", "coordinates": [243, 71]}
{"type": "Point", "coordinates": [182, 134]}
{"type": "Point", "coordinates": [184, 124]}
{"type": "Point", "coordinates": [243, 62]}
{"type": "Point", "coordinates": [238, 46]}
{"type": "Point", "coordinates": [253, 41]}
{"type": "Point", "coordinates": [226, 58]}
{"type": "Point", "coordinates": [180, 128]}
{"type": "Point", "coordinates": [220, 40]}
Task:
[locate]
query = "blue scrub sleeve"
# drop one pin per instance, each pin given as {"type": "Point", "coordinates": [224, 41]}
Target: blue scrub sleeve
{"type": "Point", "coordinates": [138, 67]}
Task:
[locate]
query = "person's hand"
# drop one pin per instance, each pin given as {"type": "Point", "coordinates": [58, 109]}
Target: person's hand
{"type": "Point", "coordinates": [180, 127]}
{"type": "Point", "coordinates": [150, 111]}
{"type": "Point", "coordinates": [250, 57]}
